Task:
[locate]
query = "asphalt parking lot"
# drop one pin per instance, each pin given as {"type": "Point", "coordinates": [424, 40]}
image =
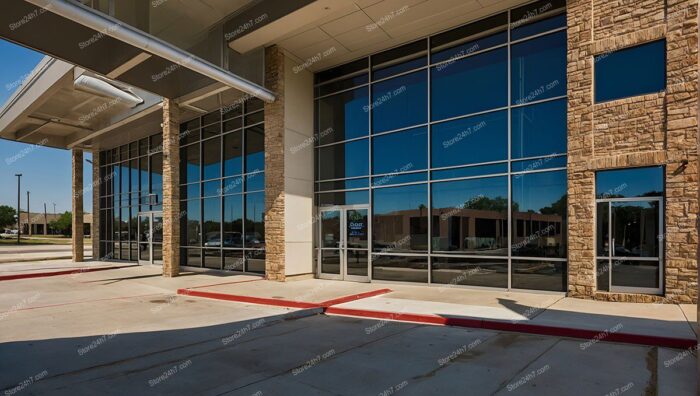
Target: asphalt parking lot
{"type": "Point", "coordinates": [126, 331]}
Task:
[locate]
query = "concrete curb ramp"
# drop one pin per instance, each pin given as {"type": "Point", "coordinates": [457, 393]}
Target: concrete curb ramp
{"type": "Point", "coordinates": [329, 308]}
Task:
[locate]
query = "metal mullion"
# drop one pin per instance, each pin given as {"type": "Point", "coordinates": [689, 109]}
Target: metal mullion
{"type": "Point", "coordinates": [370, 131]}
{"type": "Point", "coordinates": [400, 173]}
{"type": "Point", "coordinates": [535, 102]}
{"type": "Point", "coordinates": [469, 115]}
{"type": "Point", "coordinates": [505, 161]}
{"type": "Point", "coordinates": [342, 190]}
{"type": "Point", "coordinates": [538, 171]}
{"type": "Point", "coordinates": [401, 254]}
{"type": "Point", "coordinates": [552, 259]}
{"type": "Point", "coordinates": [509, 161]}
{"type": "Point", "coordinates": [611, 248]}
{"type": "Point", "coordinates": [343, 178]}
{"type": "Point", "coordinates": [475, 53]}
{"type": "Point", "coordinates": [430, 164]}
{"type": "Point", "coordinates": [343, 77]}
{"type": "Point", "coordinates": [400, 184]}
{"type": "Point", "coordinates": [427, 66]}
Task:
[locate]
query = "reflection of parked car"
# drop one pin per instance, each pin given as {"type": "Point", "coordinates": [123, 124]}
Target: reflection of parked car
{"type": "Point", "coordinates": [213, 239]}
{"type": "Point", "coordinates": [253, 239]}
{"type": "Point", "coordinates": [233, 239]}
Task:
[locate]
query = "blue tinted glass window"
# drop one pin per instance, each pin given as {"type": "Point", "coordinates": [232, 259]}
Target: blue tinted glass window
{"type": "Point", "coordinates": [255, 220]}
{"type": "Point", "coordinates": [470, 171]}
{"type": "Point", "coordinates": [400, 221]}
{"type": "Point", "coordinates": [255, 181]}
{"type": "Point", "coordinates": [629, 72]}
{"type": "Point", "coordinates": [400, 102]}
{"type": "Point", "coordinates": [344, 160]}
{"type": "Point", "coordinates": [392, 178]}
{"type": "Point", "coordinates": [538, 68]}
{"type": "Point", "coordinates": [539, 129]}
{"type": "Point", "coordinates": [255, 149]}
{"type": "Point", "coordinates": [343, 116]}
{"type": "Point", "coordinates": [473, 216]}
{"type": "Point", "coordinates": [189, 163]}
{"type": "Point", "coordinates": [539, 204]}
{"type": "Point", "coordinates": [400, 151]}
{"type": "Point", "coordinates": [399, 68]}
{"type": "Point", "coordinates": [211, 160]}
{"type": "Point", "coordinates": [538, 164]}
{"type": "Point", "coordinates": [470, 85]}
{"type": "Point", "coordinates": [344, 198]}
{"type": "Point", "coordinates": [233, 159]}
{"type": "Point", "coordinates": [631, 182]}
{"type": "Point", "coordinates": [470, 140]}
{"type": "Point", "coordinates": [211, 189]}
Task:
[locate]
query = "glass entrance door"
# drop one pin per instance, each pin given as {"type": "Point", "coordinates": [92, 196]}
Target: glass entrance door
{"type": "Point", "coordinates": [630, 249]}
{"type": "Point", "coordinates": [150, 229]}
{"type": "Point", "coordinates": [343, 242]}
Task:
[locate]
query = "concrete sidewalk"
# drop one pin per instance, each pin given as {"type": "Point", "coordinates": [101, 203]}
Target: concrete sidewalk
{"type": "Point", "coordinates": [438, 305]}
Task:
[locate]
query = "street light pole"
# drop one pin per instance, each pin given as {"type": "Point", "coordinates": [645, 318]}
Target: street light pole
{"type": "Point", "coordinates": [19, 212]}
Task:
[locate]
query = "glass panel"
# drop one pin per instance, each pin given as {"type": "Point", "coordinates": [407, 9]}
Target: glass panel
{"type": "Point", "coordinates": [470, 140]}
{"type": "Point", "coordinates": [394, 178]}
{"type": "Point", "coordinates": [538, 68]}
{"type": "Point", "coordinates": [356, 232]}
{"type": "Point", "coordinates": [211, 158]}
{"type": "Point", "coordinates": [539, 200]}
{"type": "Point", "coordinates": [233, 154]}
{"type": "Point", "coordinates": [233, 221]}
{"type": "Point", "coordinates": [157, 252]}
{"type": "Point", "coordinates": [190, 191]}
{"type": "Point", "coordinates": [191, 232]}
{"type": "Point", "coordinates": [391, 98]}
{"type": "Point", "coordinates": [212, 258]}
{"type": "Point", "coordinates": [144, 252]}
{"type": "Point", "coordinates": [189, 164]}
{"type": "Point", "coordinates": [254, 118]}
{"type": "Point", "coordinates": [539, 164]}
{"type": "Point", "coordinates": [631, 273]}
{"type": "Point", "coordinates": [230, 125]}
{"type": "Point", "coordinates": [631, 71]}
{"type": "Point", "coordinates": [157, 229]}
{"type": "Point", "coordinates": [471, 216]}
{"type": "Point", "coordinates": [189, 132]}
{"type": "Point", "coordinates": [400, 219]}
{"type": "Point", "coordinates": [631, 182]}
{"type": "Point", "coordinates": [330, 262]}
{"type": "Point", "coordinates": [157, 177]}
{"type": "Point", "coordinates": [470, 171]}
{"type": "Point", "coordinates": [255, 261]}
{"type": "Point", "coordinates": [400, 151]}
{"type": "Point", "coordinates": [344, 184]}
{"type": "Point", "coordinates": [470, 85]}
{"type": "Point", "coordinates": [255, 182]}
{"type": "Point", "coordinates": [233, 260]}
{"type": "Point", "coordinates": [193, 257]}
{"type": "Point", "coordinates": [330, 229]}
{"type": "Point", "coordinates": [211, 130]}
{"type": "Point", "coordinates": [233, 185]}
{"type": "Point", "coordinates": [144, 229]}
{"type": "Point", "coordinates": [400, 268]}
{"type": "Point", "coordinates": [212, 222]}
{"type": "Point", "coordinates": [603, 229]}
{"type": "Point", "coordinates": [143, 176]}
{"type": "Point", "coordinates": [343, 116]}
{"type": "Point", "coordinates": [635, 229]}
{"type": "Point", "coordinates": [470, 271]}
{"type": "Point", "coordinates": [255, 220]}
{"type": "Point", "coordinates": [539, 130]}
{"type": "Point", "coordinates": [254, 104]}
{"type": "Point", "coordinates": [344, 160]}
{"type": "Point", "coordinates": [603, 275]}
{"type": "Point", "coordinates": [342, 85]}
{"type": "Point", "coordinates": [255, 149]}
{"type": "Point", "coordinates": [342, 70]}
{"type": "Point", "coordinates": [214, 116]}
{"type": "Point", "coordinates": [211, 189]}
{"type": "Point", "coordinates": [540, 26]}
{"type": "Point", "coordinates": [357, 263]}
{"type": "Point", "coordinates": [539, 275]}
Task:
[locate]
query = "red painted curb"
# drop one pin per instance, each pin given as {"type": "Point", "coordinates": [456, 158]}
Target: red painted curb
{"type": "Point", "coordinates": [668, 342]}
{"type": "Point", "coordinates": [248, 299]}
{"type": "Point", "coordinates": [343, 300]}
{"type": "Point", "coordinates": [56, 273]}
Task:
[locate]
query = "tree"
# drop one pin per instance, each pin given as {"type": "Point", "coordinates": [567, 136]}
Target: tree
{"type": "Point", "coordinates": [64, 224]}
{"type": "Point", "coordinates": [7, 216]}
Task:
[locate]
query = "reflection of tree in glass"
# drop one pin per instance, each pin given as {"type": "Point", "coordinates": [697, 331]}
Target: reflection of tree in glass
{"type": "Point", "coordinates": [498, 204]}
{"type": "Point", "coordinates": [558, 207]}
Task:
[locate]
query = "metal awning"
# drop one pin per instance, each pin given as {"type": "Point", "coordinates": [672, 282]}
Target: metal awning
{"type": "Point", "coordinates": [161, 68]}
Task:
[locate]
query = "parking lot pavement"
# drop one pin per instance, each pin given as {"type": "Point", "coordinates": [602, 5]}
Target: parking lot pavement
{"type": "Point", "coordinates": [126, 332]}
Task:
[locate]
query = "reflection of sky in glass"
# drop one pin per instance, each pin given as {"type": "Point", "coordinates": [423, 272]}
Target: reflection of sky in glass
{"type": "Point", "coordinates": [388, 200]}
{"type": "Point", "coordinates": [459, 194]}
{"type": "Point", "coordinates": [470, 140]}
{"type": "Point", "coordinates": [400, 102]}
{"type": "Point", "coordinates": [635, 182]}
{"type": "Point", "coordinates": [400, 151]}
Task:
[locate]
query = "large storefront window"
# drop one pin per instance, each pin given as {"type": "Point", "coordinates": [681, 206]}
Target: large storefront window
{"type": "Point", "coordinates": [131, 182]}
{"type": "Point", "coordinates": [222, 158]}
{"type": "Point", "coordinates": [457, 145]}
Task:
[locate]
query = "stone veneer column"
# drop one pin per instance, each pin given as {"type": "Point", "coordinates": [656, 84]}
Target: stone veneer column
{"type": "Point", "coordinates": [274, 166]}
{"type": "Point", "coordinates": [171, 191]}
{"type": "Point", "coordinates": [77, 205]}
{"type": "Point", "coordinates": [646, 130]}
{"type": "Point", "coordinates": [289, 176]}
{"type": "Point", "coordinates": [96, 185]}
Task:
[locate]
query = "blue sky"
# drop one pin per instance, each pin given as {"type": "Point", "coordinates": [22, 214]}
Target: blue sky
{"type": "Point", "coordinates": [46, 171]}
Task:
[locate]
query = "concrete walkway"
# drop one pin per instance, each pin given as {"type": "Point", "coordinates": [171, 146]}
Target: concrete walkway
{"type": "Point", "coordinates": [126, 331]}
